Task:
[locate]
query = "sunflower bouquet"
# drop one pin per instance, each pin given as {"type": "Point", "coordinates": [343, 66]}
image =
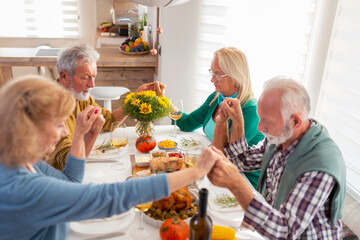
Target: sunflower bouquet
{"type": "Point", "coordinates": [145, 107]}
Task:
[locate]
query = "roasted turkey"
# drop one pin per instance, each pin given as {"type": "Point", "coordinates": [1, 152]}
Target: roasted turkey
{"type": "Point", "coordinates": [178, 200]}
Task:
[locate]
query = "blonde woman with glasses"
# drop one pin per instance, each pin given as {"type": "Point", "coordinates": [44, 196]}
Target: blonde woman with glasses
{"type": "Point", "coordinates": [231, 77]}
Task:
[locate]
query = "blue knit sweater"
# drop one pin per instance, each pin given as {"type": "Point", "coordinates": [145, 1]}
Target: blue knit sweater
{"type": "Point", "coordinates": [40, 205]}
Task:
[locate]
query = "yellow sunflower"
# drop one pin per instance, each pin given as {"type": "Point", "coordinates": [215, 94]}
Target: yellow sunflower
{"type": "Point", "coordinates": [135, 102]}
{"type": "Point", "coordinates": [145, 108]}
{"type": "Point", "coordinates": [128, 97]}
{"type": "Point", "coordinates": [150, 93]}
{"type": "Point", "coordinates": [162, 102]}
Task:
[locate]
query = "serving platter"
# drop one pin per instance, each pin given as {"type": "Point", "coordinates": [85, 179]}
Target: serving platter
{"type": "Point", "coordinates": [157, 223]}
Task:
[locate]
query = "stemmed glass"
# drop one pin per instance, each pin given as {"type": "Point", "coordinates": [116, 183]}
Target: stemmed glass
{"type": "Point", "coordinates": [119, 140]}
{"type": "Point", "coordinates": [140, 232]}
{"type": "Point", "coordinates": [176, 113]}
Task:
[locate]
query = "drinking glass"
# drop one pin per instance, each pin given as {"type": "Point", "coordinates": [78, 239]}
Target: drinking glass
{"type": "Point", "coordinates": [176, 113]}
{"type": "Point", "coordinates": [140, 232]}
{"type": "Point", "coordinates": [119, 140]}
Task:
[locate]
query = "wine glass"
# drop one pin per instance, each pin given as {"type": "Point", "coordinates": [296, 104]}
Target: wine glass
{"type": "Point", "coordinates": [119, 140]}
{"type": "Point", "coordinates": [140, 232]}
{"type": "Point", "coordinates": [176, 113]}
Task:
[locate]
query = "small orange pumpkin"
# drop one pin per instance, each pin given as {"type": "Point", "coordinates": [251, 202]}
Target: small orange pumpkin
{"type": "Point", "coordinates": [174, 229]}
{"type": "Point", "coordinates": [145, 143]}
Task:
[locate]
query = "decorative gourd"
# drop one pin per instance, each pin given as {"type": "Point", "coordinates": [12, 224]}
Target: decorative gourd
{"type": "Point", "coordinates": [222, 233]}
{"type": "Point", "coordinates": [145, 143]}
{"type": "Point", "coordinates": [174, 229]}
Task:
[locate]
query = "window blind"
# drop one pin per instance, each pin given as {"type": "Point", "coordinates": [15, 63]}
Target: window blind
{"type": "Point", "coordinates": [39, 19]}
{"type": "Point", "coordinates": [339, 99]}
{"type": "Point", "coordinates": [273, 34]}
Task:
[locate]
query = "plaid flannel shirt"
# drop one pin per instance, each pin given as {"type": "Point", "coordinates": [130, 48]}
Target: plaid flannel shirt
{"type": "Point", "coordinates": [306, 212]}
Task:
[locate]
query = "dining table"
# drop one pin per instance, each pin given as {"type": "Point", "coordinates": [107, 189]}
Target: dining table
{"type": "Point", "coordinates": [99, 170]}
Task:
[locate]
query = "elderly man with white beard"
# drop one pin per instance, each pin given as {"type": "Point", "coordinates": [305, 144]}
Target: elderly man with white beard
{"type": "Point", "coordinates": [77, 67]}
{"type": "Point", "coordinates": [303, 174]}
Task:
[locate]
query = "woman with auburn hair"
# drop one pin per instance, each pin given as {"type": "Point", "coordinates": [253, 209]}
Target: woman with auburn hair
{"type": "Point", "coordinates": [231, 77]}
{"type": "Point", "coordinates": [36, 200]}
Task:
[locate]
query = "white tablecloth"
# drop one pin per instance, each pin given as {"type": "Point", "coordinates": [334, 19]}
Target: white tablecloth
{"type": "Point", "coordinates": [103, 173]}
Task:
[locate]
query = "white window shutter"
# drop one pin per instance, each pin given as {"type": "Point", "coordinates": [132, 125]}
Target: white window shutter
{"type": "Point", "coordinates": [273, 34]}
{"type": "Point", "coordinates": [339, 100]}
{"type": "Point", "coordinates": [39, 19]}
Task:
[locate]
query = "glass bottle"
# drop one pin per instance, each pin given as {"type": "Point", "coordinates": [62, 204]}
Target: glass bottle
{"type": "Point", "coordinates": [201, 224]}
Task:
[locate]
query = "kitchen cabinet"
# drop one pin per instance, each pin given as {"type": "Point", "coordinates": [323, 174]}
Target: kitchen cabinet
{"type": "Point", "coordinates": [114, 68]}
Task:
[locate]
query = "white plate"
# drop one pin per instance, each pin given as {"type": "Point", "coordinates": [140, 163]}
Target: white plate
{"type": "Point", "coordinates": [204, 141]}
{"type": "Point", "coordinates": [245, 234]}
{"type": "Point", "coordinates": [109, 154]}
{"type": "Point", "coordinates": [231, 218]}
{"type": "Point", "coordinates": [104, 226]}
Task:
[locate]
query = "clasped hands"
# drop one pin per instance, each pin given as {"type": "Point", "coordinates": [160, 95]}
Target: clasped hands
{"type": "Point", "coordinates": [220, 171]}
{"type": "Point", "coordinates": [229, 108]}
{"type": "Point", "coordinates": [89, 121]}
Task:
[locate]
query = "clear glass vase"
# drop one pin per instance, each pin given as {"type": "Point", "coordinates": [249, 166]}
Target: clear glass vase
{"type": "Point", "coordinates": [144, 128]}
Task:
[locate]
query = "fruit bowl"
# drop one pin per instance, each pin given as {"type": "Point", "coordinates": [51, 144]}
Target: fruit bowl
{"type": "Point", "coordinates": [134, 46]}
{"type": "Point", "coordinates": [134, 53]}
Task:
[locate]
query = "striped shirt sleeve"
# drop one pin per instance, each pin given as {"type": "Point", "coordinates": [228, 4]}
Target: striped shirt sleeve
{"type": "Point", "coordinates": [246, 158]}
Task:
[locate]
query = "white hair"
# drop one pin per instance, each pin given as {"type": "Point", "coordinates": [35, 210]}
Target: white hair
{"type": "Point", "coordinates": [294, 96]}
{"type": "Point", "coordinates": [69, 57]}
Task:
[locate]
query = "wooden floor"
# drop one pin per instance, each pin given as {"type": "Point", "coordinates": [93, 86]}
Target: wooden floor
{"type": "Point", "coordinates": [351, 214]}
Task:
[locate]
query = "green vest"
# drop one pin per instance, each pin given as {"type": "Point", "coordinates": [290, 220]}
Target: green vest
{"type": "Point", "coordinates": [316, 151]}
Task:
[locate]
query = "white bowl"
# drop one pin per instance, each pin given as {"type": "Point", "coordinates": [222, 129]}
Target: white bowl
{"type": "Point", "coordinates": [142, 160]}
{"type": "Point", "coordinates": [155, 151]}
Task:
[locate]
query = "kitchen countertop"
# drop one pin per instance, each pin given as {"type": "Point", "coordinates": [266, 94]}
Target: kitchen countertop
{"type": "Point", "coordinates": [109, 57]}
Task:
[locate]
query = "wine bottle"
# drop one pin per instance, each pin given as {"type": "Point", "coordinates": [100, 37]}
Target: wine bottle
{"type": "Point", "coordinates": [201, 224]}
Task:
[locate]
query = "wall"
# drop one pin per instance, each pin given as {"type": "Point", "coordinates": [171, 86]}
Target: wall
{"type": "Point", "coordinates": [103, 11]}
{"type": "Point", "coordinates": [178, 50]}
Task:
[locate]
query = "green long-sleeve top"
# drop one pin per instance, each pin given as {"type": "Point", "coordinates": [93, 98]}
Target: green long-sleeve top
{"type": "Point", "coordinates": [201, 116]}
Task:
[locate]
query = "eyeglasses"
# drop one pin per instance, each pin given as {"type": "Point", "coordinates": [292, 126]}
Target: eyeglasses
{"type": "Point", "coordinates": [217, 76]}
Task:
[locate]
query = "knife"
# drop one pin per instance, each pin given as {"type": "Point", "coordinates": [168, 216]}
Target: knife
{"type": "Point", "coordinates": [110, 235]}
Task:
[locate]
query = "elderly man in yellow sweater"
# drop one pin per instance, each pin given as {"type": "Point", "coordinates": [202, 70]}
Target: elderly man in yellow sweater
{"type": "Point", "coordinates": [77, 67]}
